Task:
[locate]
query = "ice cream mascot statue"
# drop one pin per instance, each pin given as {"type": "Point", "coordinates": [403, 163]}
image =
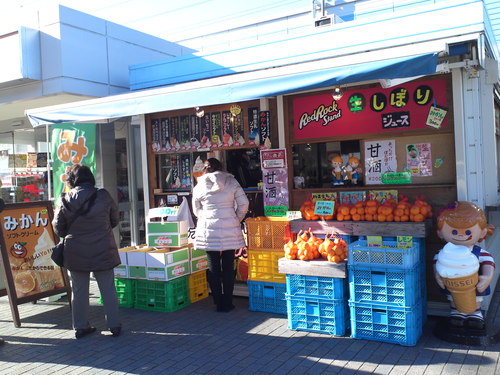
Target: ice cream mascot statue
{"type": "Point", "coordinates": [463, 270]}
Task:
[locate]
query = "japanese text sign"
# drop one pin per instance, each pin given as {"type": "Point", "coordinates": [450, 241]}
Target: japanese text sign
{"type": "Point", "coordinates": [411, 105]}
{"type": "Point", "coordinates": [380, 157]}
{"type": "Point", "coordinates": [275, 181]}
{"type": "Point", "coordinates": [324, 208]}
{"type": "Point", "coordinates": [28, 239]}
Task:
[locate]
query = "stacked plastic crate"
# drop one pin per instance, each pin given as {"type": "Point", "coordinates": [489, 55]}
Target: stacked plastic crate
{"type": "Point", "coordinates": [266, 237]}
{"type": "Point", "coordinates": [386, 287]}
{"type": "Point", "coordinates": [317, 304]}
{"type": "Point", "coordinates": [197, 280]}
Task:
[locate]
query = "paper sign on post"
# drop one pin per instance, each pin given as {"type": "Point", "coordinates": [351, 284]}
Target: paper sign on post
{"type": "Point", "coordinates": [324, 208]}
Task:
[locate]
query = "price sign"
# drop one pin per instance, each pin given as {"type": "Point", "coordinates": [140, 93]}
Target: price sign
{"type": "Point", "coordinates": [324, 208]}
{"type": "Point", "coordinates": [405, 242]}
{"type": "Point", "coordinates": [293, 215]}
{"type": "Point", "coordinates": [374, 241]}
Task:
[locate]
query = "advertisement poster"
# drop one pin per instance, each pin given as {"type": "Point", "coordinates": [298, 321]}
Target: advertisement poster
{"type": "Point", "coordinates": [31, 160]}
{"type": "Point", "coordinates": [71, 144]}
{"type": "Point", "coordinates": [352, 197]}
{"type": "Point", "coordinates": [275, 181]}
{"type": "Point", "coordinates": [28, 240]}
{"type": "Point", "coordinates": [411, 105]}
{"type": "Point", "coordinates": [383, 195]}
{"type": "Point", "coordinates": [419, 159]}
{"type": "Point", "coordinates": [380, 157]}
{"type": "Point", "coordinates": [4, 159]}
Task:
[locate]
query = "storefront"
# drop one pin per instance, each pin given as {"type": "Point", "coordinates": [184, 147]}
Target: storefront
{"type": "Point", "coordinates": [420, 124]}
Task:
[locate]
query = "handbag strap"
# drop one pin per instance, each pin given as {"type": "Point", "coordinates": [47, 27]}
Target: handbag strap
{"type": "Point", "coordinates": [81, 210]}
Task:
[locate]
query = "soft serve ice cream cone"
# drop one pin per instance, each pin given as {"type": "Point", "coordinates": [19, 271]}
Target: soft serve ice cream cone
{"type": "Point", "coordinates": [198, 168]}
{"type": "Point", "coordinates": [458, 268]}
{"type": "Point", "coordinates": [47, 271]}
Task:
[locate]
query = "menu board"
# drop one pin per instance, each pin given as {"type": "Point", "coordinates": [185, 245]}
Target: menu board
{"type": "Point", "coordinates": [27, 241]}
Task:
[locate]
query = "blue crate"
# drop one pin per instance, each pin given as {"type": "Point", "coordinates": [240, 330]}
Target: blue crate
{"type": "Point", "coordinates": [396, 287]}
{"type": "Point", "coordinates": [329, 316]}
{"type": "Point", "coordinates": [268, 297]}
{"type": "Point", "coordinates": [316, 286]}
{"type": "Point", "coordinates": [389, 255]}
{"type": "Point", "coordinates": [378, 322]}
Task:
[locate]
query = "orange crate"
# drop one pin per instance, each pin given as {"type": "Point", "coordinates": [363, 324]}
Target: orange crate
{"type": "Point", "coordinates": [267, 233]}
{"type": "Point", "coordinates": [263, 266]}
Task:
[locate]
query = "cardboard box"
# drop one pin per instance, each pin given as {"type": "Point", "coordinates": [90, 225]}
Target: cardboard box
{"type": "Point", "coordinates": [121, 271]}
{"type": "Point", "coordinates": [198, 259]}
{"type": "Point", "coordinates": [136, 262]}
{"type": "Point", "coordinates": [168, 273]}
{"type": "Point", "coordinates": [167, 263]}
{"type": "Point", "coordinates": [199, 264]}
{"type": "Point", "coordinates": [193, 253]}
{"type": "Point", "coordinates": [166, 256]}
{"type": "Point", "coordinates": [167, 233]}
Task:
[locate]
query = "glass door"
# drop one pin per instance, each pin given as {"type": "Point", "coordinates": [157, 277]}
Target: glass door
{"type": "Point", "coordinates": [129, 184]}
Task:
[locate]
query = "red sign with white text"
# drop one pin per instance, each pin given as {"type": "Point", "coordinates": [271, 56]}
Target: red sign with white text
{"type": "Point", "coordinates": [372, 110]}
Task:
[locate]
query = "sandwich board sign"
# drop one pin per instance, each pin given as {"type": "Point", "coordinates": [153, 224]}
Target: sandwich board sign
{"type": "Point", "coordinates": [27, 239]}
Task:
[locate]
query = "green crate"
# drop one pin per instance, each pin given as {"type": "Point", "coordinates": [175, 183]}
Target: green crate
{"type": "Point", "coordinates": [165, 296]}
{"type": "Point", "coordinates": [125, 290]}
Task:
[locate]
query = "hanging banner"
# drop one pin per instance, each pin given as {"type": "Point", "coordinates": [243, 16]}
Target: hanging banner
{"type": "Point", "coordinates": [71, 144]}
{"type": "Point", "coordinates": [275, 182]}
{"type": "Point", "coordinates": [27, 239]}
{"type": "Point", "coordinates": [374, 110]}
{"type": "Point", "coordinates": [380, 158]}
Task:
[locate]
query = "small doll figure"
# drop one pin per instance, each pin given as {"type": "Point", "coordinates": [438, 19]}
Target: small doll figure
{"type": "Point", "coordinates": [337, 172]}
{"type": "Point", "coordinates": [353, 170]}
{"type": "Point", "coordinates": [462, 225]}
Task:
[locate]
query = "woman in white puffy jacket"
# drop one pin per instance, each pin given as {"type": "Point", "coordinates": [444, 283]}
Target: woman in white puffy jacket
{"type": "Point", "coordinates": [220, 204]}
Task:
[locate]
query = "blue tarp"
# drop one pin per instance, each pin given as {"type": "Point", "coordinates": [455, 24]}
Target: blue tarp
{"type": "Point", "coordinates": [184, 96]}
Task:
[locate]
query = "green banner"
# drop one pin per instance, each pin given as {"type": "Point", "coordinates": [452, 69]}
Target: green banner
{"type": "Point", "coordinates": [275, 210]}
{"type": "Point", "coordinates": [71, 144]}
{"type": "Point", "coordinates": [396, 178]}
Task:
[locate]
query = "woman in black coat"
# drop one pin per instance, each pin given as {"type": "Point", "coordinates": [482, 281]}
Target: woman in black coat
{"type": "Point", "coordinates": [85, 217]}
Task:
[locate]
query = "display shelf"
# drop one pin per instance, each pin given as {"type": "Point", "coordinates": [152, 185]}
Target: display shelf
{"type": "Point", "coordinates": [363, 228]}
{"type": "Point", "coordinates": [371, 187]}
{"type": "Point", "coordinates": [222, 148]}
{"type": "Point", "coordinates": [316, 267]}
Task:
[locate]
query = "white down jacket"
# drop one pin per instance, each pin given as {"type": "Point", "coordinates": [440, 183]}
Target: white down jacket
{"type": "Point", "coordinates": [220, 204]}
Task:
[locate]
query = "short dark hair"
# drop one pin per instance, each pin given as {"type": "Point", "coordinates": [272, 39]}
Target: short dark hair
{"type": "Point", "coordinates": [80, 174]}
{"type": "Point", "coordinates": [212, 165]}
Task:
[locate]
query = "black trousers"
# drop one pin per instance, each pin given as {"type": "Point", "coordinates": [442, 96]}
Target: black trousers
{"type": "Point", "coordinates": [221, 276]}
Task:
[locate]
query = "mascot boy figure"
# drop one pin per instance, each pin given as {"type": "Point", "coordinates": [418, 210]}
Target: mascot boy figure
{"type": "Point", "coordinates": [463, 270]}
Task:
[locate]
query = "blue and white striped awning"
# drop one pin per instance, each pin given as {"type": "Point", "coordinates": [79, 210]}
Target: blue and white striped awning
{"type": "Point", "coordinates": [233, 88]}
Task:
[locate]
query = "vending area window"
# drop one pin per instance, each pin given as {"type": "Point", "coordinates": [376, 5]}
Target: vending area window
{"type": "Point", "coordinates": [312, 162]}
{"type": "Point", "coordinates": [244, 164]}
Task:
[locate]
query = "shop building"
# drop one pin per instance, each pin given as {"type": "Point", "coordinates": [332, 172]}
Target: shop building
{"type": "Point", "coordinates": [407, 79]}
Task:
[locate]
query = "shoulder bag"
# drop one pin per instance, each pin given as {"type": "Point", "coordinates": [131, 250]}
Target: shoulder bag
{"type": "Point", "coordinates": [57, 255]}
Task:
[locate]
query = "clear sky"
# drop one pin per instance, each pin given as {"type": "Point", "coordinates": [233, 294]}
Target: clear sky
{"type": "Point", "coordinates": [162, 17]}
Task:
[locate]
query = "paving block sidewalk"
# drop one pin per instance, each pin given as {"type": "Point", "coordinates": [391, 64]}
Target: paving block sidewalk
{"type": "Point", "coordinates": [198, 340]}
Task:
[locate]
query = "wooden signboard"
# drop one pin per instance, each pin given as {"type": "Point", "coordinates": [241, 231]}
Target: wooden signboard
{"type": "Point", "coordinates": [27, 239]}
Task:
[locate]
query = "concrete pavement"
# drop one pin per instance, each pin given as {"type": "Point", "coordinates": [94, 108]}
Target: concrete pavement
{"type": "Point", "coordinates": [198, 340]}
